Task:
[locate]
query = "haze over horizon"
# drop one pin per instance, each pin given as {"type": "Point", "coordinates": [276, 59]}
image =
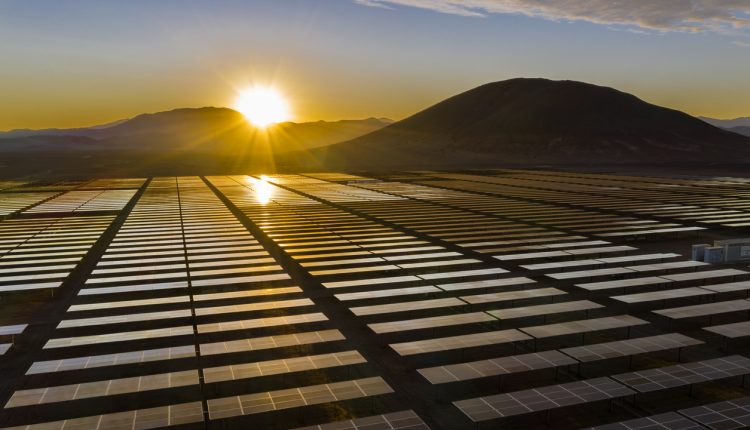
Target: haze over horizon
{"type": "Point", "coordinates": [357, 59]}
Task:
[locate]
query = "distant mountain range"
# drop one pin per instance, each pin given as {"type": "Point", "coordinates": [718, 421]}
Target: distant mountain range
{"type": "Point", "coordinates": [727, 123]}
{"type": "Point", "coordinates": [181, 141]}
{"type": "Point", "coordinates": [518, 121]}
{"type": "Point", "coordinates": [80, 131]}
{"type": "Point", "coordinates": [209, 129]}
{"type": "Point", "coordinates": [536, 121]}
{"type": "Point", "coordinates": [743, 130]}
{"type": "Point", "coordinates": [736, 125]}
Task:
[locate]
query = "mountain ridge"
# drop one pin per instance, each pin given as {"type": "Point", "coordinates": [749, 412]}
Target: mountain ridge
{"type": "Point", "coordinates": [181, 141]}
{"type": "Point", "coordinates": [110, 128]}
{"type": "Point", "coordinates": [206, 129]}
{"type": "Point", "coordinates": [743, 121]}
{"type": "Point", "coordinates": [743, 130]}
{"type": "Point", "coordinates": [514, 122]}
{"type": "Point", "coordinates": [532, 120]}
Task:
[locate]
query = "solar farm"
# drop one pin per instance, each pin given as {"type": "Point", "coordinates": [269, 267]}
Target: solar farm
{"type": "Point", "coordinates": [505, 298]}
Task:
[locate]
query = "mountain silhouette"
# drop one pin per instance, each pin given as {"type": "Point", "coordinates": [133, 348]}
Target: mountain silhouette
{"type": "Point", "coordinates": [205, 140]}
{"type": "Point", "coordinates": [205, 129]}
{"type": "Point", "coordinates": [514, 122]}
{"type": "Point", "coordinates": [532, 121]}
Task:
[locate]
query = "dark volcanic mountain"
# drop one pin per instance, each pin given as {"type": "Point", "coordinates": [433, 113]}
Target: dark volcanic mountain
{"type": "Point", "coordinates": [522, 121]}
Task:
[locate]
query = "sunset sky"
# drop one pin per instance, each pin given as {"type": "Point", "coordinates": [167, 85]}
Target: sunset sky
{"type": "Point", "coordinates": [70, 63]}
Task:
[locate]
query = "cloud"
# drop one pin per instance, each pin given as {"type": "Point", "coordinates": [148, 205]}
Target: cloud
{"type": "Point", "coordinates": [373, 3]}
{"type": "Point", "coordinates": [655, 15]}
{"type": "Point", "coordinates": [631, 30]}
{"type": "Point", "coordinates": [742, 44]}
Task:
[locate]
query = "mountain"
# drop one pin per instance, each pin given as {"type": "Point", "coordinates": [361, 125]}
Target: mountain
{"type": "Point", "coordinates": [81, 131]}
{"type": "Point", "coordinates": [727, 123]}
{"type": "Point", "coordinates": [744, 130]}
{"type": "Point", "coordinates": [534, 121]}
{"type": "Point", "coordinates": [212, 129]}
{"type": "Point", "coordinates": [204, 139]}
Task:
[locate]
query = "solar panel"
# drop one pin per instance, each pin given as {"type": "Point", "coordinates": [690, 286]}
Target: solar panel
{"type": "Point", "coordinates": [260, 322]}
{"type": "Point", "coordinates": [623, 283]}
{"type": "Point", "coordinates": [135, 278]}
{"type": "Point", "coordinates": [126, 318]}
{"type": "Point", "coordinates": [653, 296]}
{"type": "Point", "coordinates": [93, 361]}
{"type": "Point", "coordinates": [627, 258]}
{"type": "Point", "coordinates": [590, 273]}
{"type": "Point", "coordinates": [251, 307]}
{"type": "Point", "coordinates": [531, 255]}
{"type": "Point", "coordinates": [560, 264]}
{"type": "Point", "coordinates": [248, 404]}
{"type": "Point", "coordinates": [547, 309]}
{"type": "Point", "coordinates": [12, 330]}
{"type": "Point", "coordinates": [685, 374]}
{"type": "Point", "coordinates": [246, 293]}
{"type": "Point", "coordinates": [431, 322]}
{"type": "Point", "coordinates": [387, 293]}
{"type": "Point", "coordinates": [422, 256]}
{"type": "Point", "coordinates": [691, 276]}
{"type": "Point", "coordinates": [667, 266]}
{"type": "Point", "coordinates": [651, 231]}
{"type": "Point", "coordinates": [111, 387]}
{"type": "Point", "coordinates": [280, 366]}
{"type": "Point", "coordinates": [512, 295]}
{"type": "Point", "coordinates": [159, 286]}
{"type": "Point", "coordinates": [373, 281]}
{"type": "Point", "coordinates": [268, 342]}
{"type": "Point", "coordinates": [236, 280]}
{"type": "Point", "coordinates": [666, 421]}
{"type": "Point", "coordinates": [726, 415]}
{"type": "Point", "coordinates": [487, 283]}
{"type": "Point", "coordinates": [732, 331]}
{"type": "Point", "coordinates": [440, 263]}
{"type": "Point", "coordinates": [118, 337]}
{"type": "Point", "coordinates": [623, 348]}
{"type": "Point", "coordinates": [458, 342]}
{"type": "Point", "coordinates": [495, 367]}
{"type": "Point", "coordinates": [129, 303]}
{"type": "Point", "coordinates": [404, 420]}
{"type": "Point", "coordinates": [705, 309]}
{"type": "Point", "coordinates": [329, 272]}
{"type": "Point", "coordinates": [406, 306]}
{"type": "Point", "coordinates": [184, 413]}
{"type": "Point", "coordinates": [728, 287]}
{"type": "Point", "coordinates": [14, 202]}
{"type": "Point", "coordinates": [582, 326]}
{"type": "Point", "coordinates": [462, 274]}
{"type": "Point", "coordinates": [541, 399]}
{"type": "Point", "coordinates": [600, 250]}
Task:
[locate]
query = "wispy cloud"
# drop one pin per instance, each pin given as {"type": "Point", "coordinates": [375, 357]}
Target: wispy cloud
{"type": "Point", "coordinates": [742, 43]}
{"type": "Point", "coordinates": [631, 30]}
{"type": "Point", "coordinates": [654, 15]}
{"type": "Point", "coordinates": [373, 3]}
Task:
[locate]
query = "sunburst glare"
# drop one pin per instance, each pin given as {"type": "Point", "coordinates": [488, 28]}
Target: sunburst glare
{"type": "Point", "coordinates": [263, 106]}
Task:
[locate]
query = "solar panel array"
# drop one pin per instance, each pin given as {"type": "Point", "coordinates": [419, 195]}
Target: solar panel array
{"type": "Point", "coordinates": [410, 300]}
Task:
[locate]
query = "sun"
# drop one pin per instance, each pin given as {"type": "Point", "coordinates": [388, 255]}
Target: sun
{"type": "Point", "coordinates": [262, 106]}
